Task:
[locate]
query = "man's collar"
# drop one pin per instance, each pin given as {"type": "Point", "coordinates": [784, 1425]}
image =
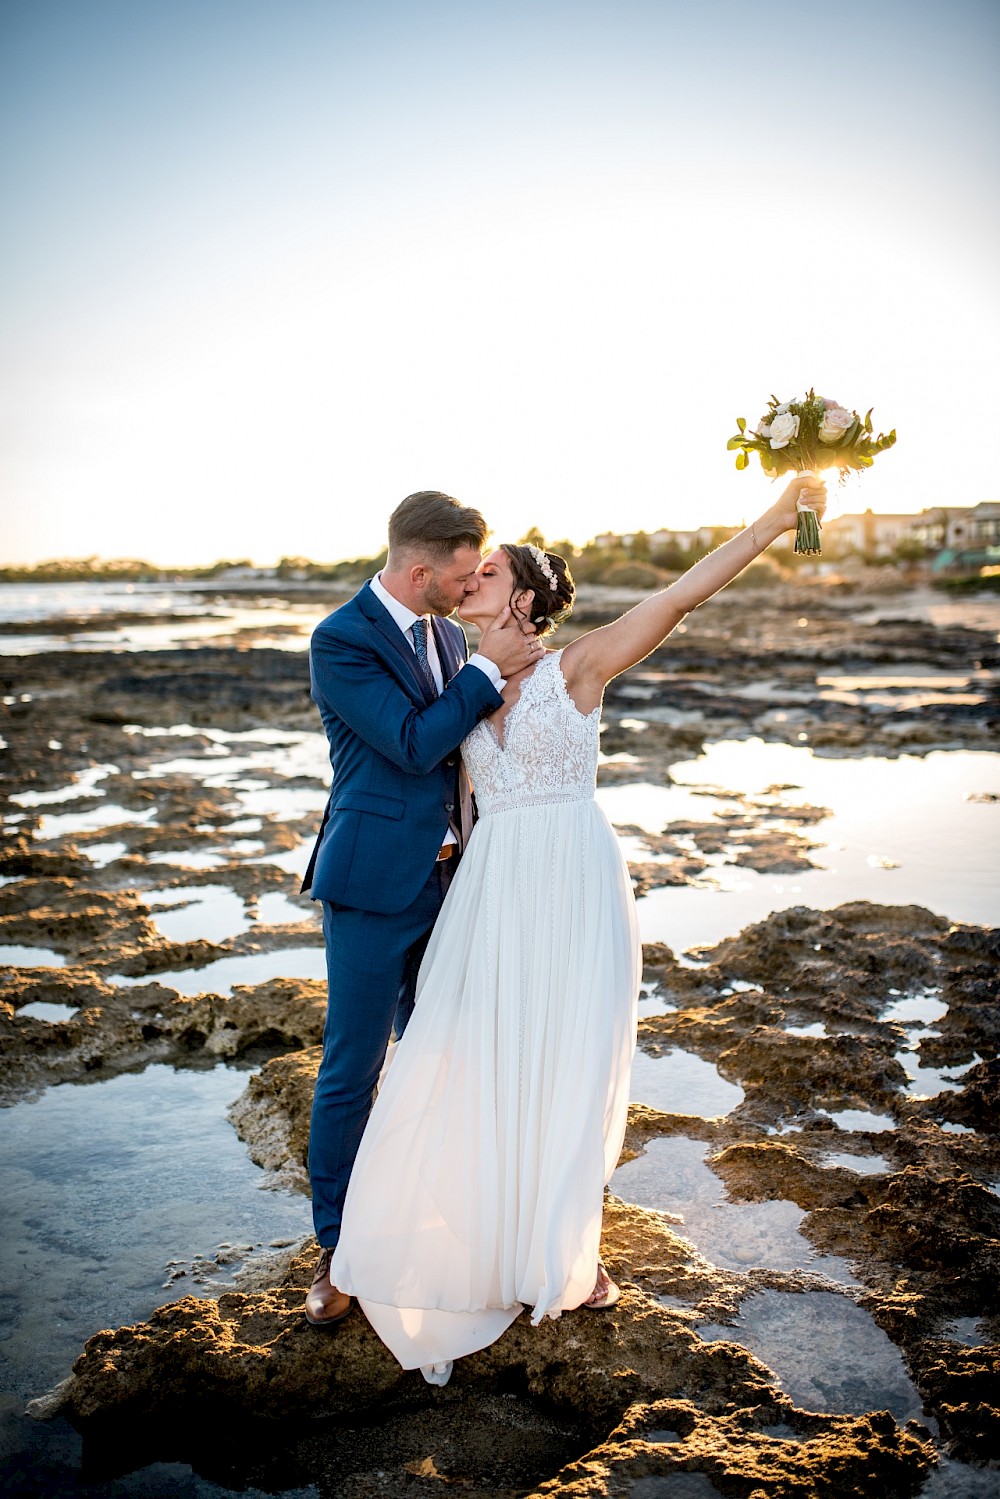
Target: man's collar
{"type": "Point", "coordinates": [402, 615]}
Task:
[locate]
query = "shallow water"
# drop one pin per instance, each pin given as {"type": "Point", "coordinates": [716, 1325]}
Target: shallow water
{"type": "Point", "coordinates": [864, 1165]}
{"type": "Point", "coordinates": [275, 909]}
{"type": "Point", "coordinates": [213, 913]}
{"type": "Point", "coordinates": [192, 614]}
{"type": "Point", "coordinates": [928, 1082]}
{"type": "Point", "coordinates": [858, 1370]}
{"type": "Point", "coordinates": [43, 1009]}
{"type": "Point", "coordinates": [102, 854]}
{"type": "Point", "coordinates": [673, 1486]}
{"type": "Point", "coordinates": [86, 783]}
{"type": "Point", "coordinates": [249, 968]}
{"type": "Point", "coordinates": [861, 1119]}
{"type": "Point", "coordinates": [671, 1176]}
{"type": "Point", "coordinates": [954, 1480]}
{"type": "Point", "coordinates": [910, 812]}
{"type": "Point", "coordinates": [102, 1184]}
{"type": "Point", "coordinates": [107, 815]}
{"type": "Point", "coordinates": [947, 858]}
{"type": "Point", "coordinates": [681, 1083]}
{"type": "Point", "coordinates": [14, 955]}
{"type": "Point", "coordinates": [926, 1008]}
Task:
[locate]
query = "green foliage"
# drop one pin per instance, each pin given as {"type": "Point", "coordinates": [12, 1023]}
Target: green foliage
{"type": "Point", "coordinates": [633, 575]}
{"type": "Point", "coordinates": [533, 538]}
{"type": "Point", "coordinates": [856, 449]}
{"type": "Point", "coordinates": [910, 550]}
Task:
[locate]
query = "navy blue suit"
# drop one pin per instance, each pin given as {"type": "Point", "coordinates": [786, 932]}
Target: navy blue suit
{"type": "Point", "coordinates": [397, 787]}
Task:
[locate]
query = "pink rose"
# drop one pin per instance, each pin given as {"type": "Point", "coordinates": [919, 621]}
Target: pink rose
{"type": "Point", "coordinates": [836, 422]}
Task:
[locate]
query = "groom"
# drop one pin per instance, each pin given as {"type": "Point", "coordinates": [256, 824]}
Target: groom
{"type": "Point", "coordinates": [397, 696]}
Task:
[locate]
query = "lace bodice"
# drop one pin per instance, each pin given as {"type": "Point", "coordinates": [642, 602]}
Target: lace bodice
{"type": "Point", "coordinates": [549, 750]}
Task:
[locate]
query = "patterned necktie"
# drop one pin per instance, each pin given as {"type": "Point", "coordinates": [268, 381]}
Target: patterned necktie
{"type": "Point", "coordinates": [423, 660]}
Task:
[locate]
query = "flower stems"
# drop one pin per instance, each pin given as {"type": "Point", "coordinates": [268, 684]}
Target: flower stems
{"type": "Point", "coordinates": [807, 539]}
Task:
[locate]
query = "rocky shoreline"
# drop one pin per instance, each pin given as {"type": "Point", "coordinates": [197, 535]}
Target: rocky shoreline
{"type": "Point", "coordinates": [804, 1013]}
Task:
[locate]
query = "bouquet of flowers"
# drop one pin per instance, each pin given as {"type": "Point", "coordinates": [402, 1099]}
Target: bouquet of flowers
{"type": "Point", "coordinates": [804, 437]}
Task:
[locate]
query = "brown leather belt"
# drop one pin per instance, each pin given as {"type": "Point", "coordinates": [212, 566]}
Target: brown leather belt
{"type": "Point", "coordinates": [446, 852]}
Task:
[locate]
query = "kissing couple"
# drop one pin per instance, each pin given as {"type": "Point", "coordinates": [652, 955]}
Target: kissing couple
{"type": "Point", "coordinates": [476, 905]}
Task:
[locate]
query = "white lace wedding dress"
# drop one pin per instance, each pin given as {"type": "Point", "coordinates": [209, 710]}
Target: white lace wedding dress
{"type": "Point", "coordinates": [478, 1188]}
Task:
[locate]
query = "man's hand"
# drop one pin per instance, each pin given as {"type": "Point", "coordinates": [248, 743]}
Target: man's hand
{"type": "Point", "coordinates": [510, 644]}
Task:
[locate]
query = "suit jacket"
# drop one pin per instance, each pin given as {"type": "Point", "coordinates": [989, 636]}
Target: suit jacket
{"type": "Point", "coordinates": [394, 750]}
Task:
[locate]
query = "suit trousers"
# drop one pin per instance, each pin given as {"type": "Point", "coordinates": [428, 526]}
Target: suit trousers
{"type": "Point", "coordinates": [372, 961]}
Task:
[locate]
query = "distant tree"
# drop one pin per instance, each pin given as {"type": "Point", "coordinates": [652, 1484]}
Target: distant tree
{"type": "Point", "coordinates": [909, 549]}
{"type": "Point", "coordinates": [533, 538]}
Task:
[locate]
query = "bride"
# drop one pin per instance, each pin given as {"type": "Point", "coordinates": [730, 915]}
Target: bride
{"type": "Point", "coordinates": [478, 1188]}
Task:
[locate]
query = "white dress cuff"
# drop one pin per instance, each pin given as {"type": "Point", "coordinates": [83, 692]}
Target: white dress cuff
{"type": "Point", "coordinates": [490, 668]}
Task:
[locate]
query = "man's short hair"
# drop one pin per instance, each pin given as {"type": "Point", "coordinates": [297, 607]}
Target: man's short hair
{"type": "Point", "coordinates": [435, 524]}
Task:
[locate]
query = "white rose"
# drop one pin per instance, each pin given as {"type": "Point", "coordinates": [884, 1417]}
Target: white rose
{"type": "Point", "coordinates": [763, 427]}
{"type": "Point", "coordinates": [783, 428]}
{"type": "Point", "coordinates": [835, 423]}
{"type": "Point", "coordinates": [782, 410]}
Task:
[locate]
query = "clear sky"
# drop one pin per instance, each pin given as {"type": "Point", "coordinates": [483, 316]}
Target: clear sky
{"type": "Point", "coordinates": [267, 268]}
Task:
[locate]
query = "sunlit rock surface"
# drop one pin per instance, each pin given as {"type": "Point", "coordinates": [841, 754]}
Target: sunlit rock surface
{"type": "Point", "coordinates": [814, 1136]}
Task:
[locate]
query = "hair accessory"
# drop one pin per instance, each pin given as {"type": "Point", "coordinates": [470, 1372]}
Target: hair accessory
{"type": "Point", "coordinates": [545, 566]}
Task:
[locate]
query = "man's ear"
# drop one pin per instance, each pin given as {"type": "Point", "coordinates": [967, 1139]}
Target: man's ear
{"type": "Point", "coordinates": [419, 575]}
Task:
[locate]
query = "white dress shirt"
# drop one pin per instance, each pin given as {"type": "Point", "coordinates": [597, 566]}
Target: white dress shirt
{"type": "Point", "coordinates": [404, 617]}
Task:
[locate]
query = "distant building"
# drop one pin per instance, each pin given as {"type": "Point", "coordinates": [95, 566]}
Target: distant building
{"type": "Point", "coordinates": [610, 541]}
{"type": "Point", "coordinates": [874, 535]}
{"type": "Point", "coordinates": [964, 531]}
{"type": "Point", "coordinates": [242, 571]}
{"type": "Point", "coordinates": [970, 530]}
{"type": "Point", "coordinates": [687, 540]}
{"type": "Point", "coordinates": [932, 526]}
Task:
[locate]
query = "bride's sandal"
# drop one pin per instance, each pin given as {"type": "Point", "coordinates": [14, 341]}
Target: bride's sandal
{"type": "Point", "coordinates": [605, 1292]}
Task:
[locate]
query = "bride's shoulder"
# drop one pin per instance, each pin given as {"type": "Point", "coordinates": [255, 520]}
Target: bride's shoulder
{"type": "Point", "coordinates": [583, 688]}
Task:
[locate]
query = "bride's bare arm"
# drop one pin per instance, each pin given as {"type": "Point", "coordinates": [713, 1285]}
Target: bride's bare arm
{"type": "Point", "coordinates": [590, 662]}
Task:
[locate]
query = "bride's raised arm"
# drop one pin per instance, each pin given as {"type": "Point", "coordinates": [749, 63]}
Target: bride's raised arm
{"type": "Point", "coordinates": [591, 661]}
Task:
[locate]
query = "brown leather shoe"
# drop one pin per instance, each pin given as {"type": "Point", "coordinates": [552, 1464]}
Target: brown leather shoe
{"type": "Point", "coordinates": [325, 1305]}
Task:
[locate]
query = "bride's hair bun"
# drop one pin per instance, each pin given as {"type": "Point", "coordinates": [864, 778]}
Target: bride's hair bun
{"type": "Point", "coordinates": [547, 575]}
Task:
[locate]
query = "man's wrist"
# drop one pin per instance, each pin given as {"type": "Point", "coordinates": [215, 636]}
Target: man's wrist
{"type": "Point", "coordinates": [489, 668]}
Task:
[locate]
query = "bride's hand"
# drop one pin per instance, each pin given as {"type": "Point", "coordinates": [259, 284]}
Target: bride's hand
{"type": "Point", "coordinates": [810, 489]}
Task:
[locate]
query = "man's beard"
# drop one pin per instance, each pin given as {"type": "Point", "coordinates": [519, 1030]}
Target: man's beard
{"type": "Point", "coordinates": [437, 600]}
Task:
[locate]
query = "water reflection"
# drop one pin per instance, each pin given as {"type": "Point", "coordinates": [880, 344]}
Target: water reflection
{"type": "Point", "coordinates": [102, 1184]}
{"type": "Point", "coordinates": [43, 1009]}
{"type": "Point", "coordinates": [672, 1177]}
{"type": "Point", "coordinates": [15, 955]}
{"type": "Point", "coordinates": [828, 1354]}
{"type": "Point", "coordinates": [249, 968]}
{"type": "Point", "coordinates": [948, 858]}
{"type": "Point", "coordinates": [681, 1083]}
{"type": "Point", "coordinates": [212, 913]}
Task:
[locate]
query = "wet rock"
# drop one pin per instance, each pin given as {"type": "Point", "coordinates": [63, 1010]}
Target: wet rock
{"type": "Point", "coordinates": [962, 1384]}
{"type": "Point", "coordinates": [618, 1385]}
{"type": "Point", "coordinates": [272, 1116]}
{"type": "Point", "coordinates": [977, 1104]}
{"type": "Point", "coordinates": [115, 1029]}
{"type": "Point", "coordinates": [623, 1378]}
{"type": "Point", "coordinates": [860, 946]}
{"type": "Point", "coordinates": [800, 1072]}
{"type": "Point", "coordinates": [670, 1448]}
